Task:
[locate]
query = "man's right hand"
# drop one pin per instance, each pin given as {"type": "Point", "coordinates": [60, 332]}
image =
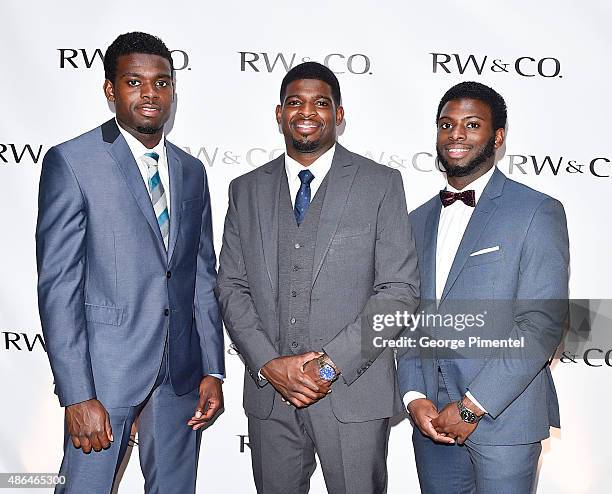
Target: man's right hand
{"type": "Point", "coordinates": [423, 411]}
{"type": "Point", "coordinates": [89, 426]}
{"type": "Point", "coordinates": [287, 376]}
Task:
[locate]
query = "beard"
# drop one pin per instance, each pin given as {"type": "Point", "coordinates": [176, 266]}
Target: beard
{"type": "Point", "coordinates": [463, 171]}
{"type": "Point", "coordinates": [148, 129]}
{"type": "Point", "coordinates": [305, 146]}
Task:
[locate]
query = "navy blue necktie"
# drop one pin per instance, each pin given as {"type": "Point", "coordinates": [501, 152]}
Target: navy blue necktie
{"type": "Point", "coordinates": [302, 200]}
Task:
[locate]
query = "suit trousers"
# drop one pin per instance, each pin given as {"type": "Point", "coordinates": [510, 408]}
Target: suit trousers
{"type": "Point", "coordinates": [473, 468]}
{"type": "Point", "coordinates": [168, 448]}
{"type": "Point", "coordinates": [352, 455]}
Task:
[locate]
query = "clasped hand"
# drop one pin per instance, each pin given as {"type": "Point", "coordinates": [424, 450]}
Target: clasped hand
{"type": "Point", "coordinates": [445, 426]}
{"type": "Point", "coordinates": [297, 378]}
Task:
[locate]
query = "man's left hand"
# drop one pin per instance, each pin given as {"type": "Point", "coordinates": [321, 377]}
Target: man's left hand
{"type": "Point", "coordinates": [210, 402]}
{"type": "Point", "coordinates": [450, 424]}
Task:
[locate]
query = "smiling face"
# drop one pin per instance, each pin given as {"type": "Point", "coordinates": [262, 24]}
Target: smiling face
{"type": "Point", "coordinates": [308, 119]}
{"type": "Point", "coordinates": [466, 140]}
{"type": "Point", "coordinates": [143, 92]}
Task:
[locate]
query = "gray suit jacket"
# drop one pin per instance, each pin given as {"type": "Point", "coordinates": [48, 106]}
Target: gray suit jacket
{"type": "Point", "coordinates": [108, 291]}
{"type": "Point", "coordinates": [522, 281]}
{"type": "Point", "coordinates": [364, 262]}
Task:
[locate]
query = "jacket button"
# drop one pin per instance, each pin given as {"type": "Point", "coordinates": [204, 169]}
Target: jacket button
{"type": "Point", "coordinates": [293, 293]}
{"type": "Point", "coordinates": [293, 320]}
{"type": "Point", "coordinates": [297, 246]}
{"type": "Point", "coordinates": [296, 268]}
{"type": "Point", "coordinates": [168, 274]}
{"type": "Point", "coordinates": [294, 344]}
{"type": "Point", "coordinates": [166, 312]}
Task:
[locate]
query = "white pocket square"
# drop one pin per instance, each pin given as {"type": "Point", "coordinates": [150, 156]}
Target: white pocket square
{"type": "Point", "coordinates": [484, 251]}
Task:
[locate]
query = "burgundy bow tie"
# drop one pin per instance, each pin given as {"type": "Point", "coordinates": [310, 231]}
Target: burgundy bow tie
{"type": "Point", "coordinates": [468, 197]}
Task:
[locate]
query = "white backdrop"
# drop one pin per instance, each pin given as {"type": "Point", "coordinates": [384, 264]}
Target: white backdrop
{"type": "Point", "coordinates": [549, 59]}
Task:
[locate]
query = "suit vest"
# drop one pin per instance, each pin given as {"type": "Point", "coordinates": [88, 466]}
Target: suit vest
{"type": "Point", "coordinates": [295, 267]}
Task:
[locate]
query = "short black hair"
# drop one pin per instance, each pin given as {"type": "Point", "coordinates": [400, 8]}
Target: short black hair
{"type": "Point", "coordinates": [312, 70]}
{"type": "Point", "coordinates": [476, 90]}
{"type": "Point", "coordinates": [129, 43]}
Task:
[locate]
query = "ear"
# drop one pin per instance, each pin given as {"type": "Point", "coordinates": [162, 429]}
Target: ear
{"type": "Point", "coordinates": [500, 135]}
{"type": "Point", "coordinates": [339, 115]}
{"type": "Point", "coordinates": [279, 113]}
{"type": "Point", "coordinates": [109, 90]}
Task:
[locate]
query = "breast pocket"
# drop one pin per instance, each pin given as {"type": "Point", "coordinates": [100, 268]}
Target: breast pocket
{"type": "Point", "coordinates": [350, 234]}
{"type": "Point", "coordinates": [189, 230]}
{"type": "Point", "coordinates": [190, 205]}
{"type": "Point", "coordinates": [484, 258]}
{"type": "Point", "coordinates": [479, 275]}
{"type": "Point", "coordinates": [351, 250]}
{"type": "Point", "coordinates": [191, 216]}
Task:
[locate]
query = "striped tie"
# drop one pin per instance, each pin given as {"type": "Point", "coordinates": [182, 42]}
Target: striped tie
{"type": "Point", "coordinates": [158, 195]}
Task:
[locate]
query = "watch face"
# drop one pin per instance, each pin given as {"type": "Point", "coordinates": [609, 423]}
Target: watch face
{"type": "Point", "coordinates": [468, 416]}
{"type": "Point", "coordinates": [327, 372]}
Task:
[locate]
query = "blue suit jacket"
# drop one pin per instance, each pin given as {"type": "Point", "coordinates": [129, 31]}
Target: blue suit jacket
{"type": "Point", "coordinates": [525, 286]}
{"type": "Point", "coordinates": [109, 293]}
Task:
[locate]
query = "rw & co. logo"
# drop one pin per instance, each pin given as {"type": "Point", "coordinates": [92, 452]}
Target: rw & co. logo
{"type": "Point", "coordinates": [339, 63]}
{"type": "Point", "coordinates": [82, 58]}
{"type": "Point", "coordinates": [524, 66]}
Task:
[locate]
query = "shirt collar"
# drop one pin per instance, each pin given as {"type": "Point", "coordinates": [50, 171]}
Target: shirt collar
{"type": "Point", "coordinates": [318, 168]}
{"type": "Point", "coordinates": [477, 185]}
{"type": "Point", "coordinates": [137, 147]}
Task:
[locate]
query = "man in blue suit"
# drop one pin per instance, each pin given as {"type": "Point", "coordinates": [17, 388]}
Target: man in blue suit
{"type": "Point", "coordinates": [126, 274]}
{"type": "Point", "coordinates": [492, 244]}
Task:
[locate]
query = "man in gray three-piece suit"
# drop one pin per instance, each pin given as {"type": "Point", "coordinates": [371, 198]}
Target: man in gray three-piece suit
{"type": "Point", "coordinates": [126, 284]}
{"type": "Point", "coordinates": [315, 243]}
{"type": "Point", "coordinates": [489, 247]}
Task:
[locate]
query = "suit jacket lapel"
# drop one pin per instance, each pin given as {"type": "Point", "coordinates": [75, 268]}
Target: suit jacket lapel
{"type": "Point", "coordinates": [480, 218]}
{"type": "Point", "coordinates": [268, 190]}
{"type": "Point", "coordinates": [428, 270]}
{"type": "Point", "coordinates": [341, 176]}
{"type": "Point", "coordinates": [120, 152]}
{"type": "Point", "coordinates": [175, 172]}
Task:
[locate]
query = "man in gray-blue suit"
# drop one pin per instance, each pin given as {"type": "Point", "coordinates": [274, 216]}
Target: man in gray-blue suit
{"type": "Point", "coordinates": [492, 244]}
{"type": "Point", "coordinates": [126, 275]}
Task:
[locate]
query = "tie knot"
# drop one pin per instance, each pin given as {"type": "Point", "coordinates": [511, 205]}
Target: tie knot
{"type": "Point", "coordinates": [151, 158]}
{"type": "Point", "coordinates": [306, 176]}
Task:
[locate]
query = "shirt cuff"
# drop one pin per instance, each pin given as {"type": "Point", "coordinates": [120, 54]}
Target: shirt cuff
{"type": "Point", "coordinates": [411, 396]}
{"type": "Point", "coordinates": [218, 376]}
{"type": "Point", "coordinates": [473, 400]}
{"type": "Point", "coordinates": [262, 380]}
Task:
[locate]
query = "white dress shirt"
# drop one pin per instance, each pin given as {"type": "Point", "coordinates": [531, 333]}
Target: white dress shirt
{"type": "Point", "coordinates": [138, 150]}
{"type": "Point", "coordinates": [318, 168]}
{"type": "Point", "coordinates": [453, 221]}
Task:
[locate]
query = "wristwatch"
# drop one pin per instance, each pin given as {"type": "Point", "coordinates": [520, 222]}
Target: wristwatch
{"type": "Point", "coordinates": [326, 370]}
{"type": "Point", "coordinates": [466, 414]}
